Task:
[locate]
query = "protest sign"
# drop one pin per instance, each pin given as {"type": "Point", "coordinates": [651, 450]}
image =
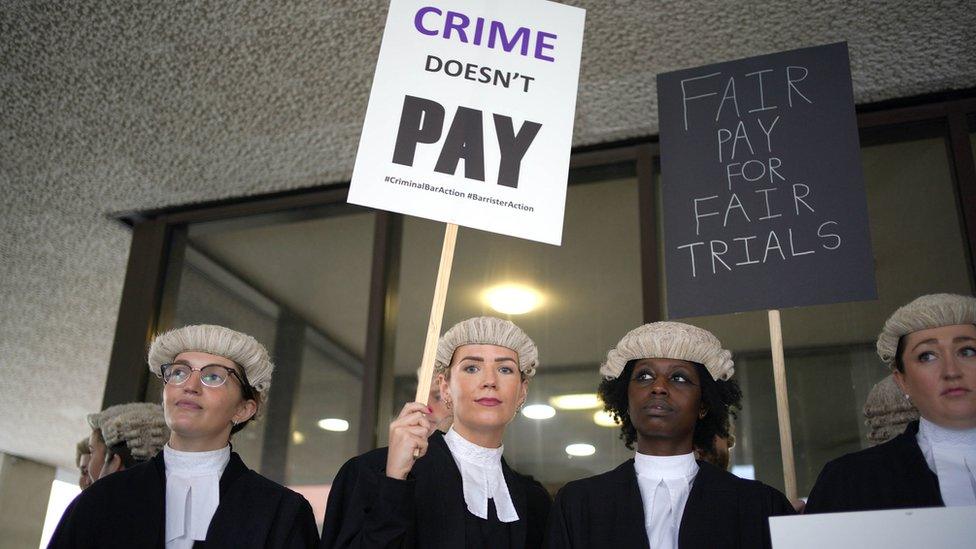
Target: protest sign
{"type": "Point", "coordinates": [470, 118]}
{"type": "Point", "coordinates": [942, 527]}
{"type": "Point", "coordinates": [763, 194]}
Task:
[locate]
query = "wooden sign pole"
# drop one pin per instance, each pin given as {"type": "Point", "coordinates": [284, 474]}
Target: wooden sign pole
{"type": "Point", "coordinates": [436, 313]}
{"type": "Point", "coordinates": [782, 404]}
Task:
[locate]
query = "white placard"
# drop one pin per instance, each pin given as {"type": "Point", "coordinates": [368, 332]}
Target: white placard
{"type": "Point", "coordinates": [470, 117]}
{"type": "Point", "coordinates": [945, 528]}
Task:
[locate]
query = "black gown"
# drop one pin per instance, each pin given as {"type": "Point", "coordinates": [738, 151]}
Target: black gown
{"type": "Point", "coordinates": [893, 475]}
{"type": "Point", "coordinates": [127, 509]}
{"type": "Point", "coordinates": [367, 509]}
{"type": "Point", "coordinates": [723, 511]}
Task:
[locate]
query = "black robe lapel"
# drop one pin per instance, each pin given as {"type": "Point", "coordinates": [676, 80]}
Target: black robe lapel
{"type": "Point", "coordinates": [440, 496]}
{"type": "Point", "coordinates": [921, 483]}
{"type": "Point", "coordinates": [710, 501]}
{"type": "Point", "coordinates": [629, 521]}
{"type": "Point", "coordinates": [151, 489]}
{"type": "Point", "coordinates": [516, 489]}
{"type": "Point", "coordinates": [227, 521]}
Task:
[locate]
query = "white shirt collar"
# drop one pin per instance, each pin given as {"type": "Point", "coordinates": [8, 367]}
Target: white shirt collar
{"type": "Point", "coordinates": [657, 476]}
{"type": "Point", "coordinates": [666, 467]}
{"type": "Point", "coordinates": [482, 477]}
{"type": "Point", "coordinates": [951, 455]}
{"type": "Point", "coordinates": [192, 493]}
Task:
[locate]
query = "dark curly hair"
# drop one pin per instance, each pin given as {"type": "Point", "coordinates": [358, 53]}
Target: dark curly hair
{"type": "Point", "coordinates": [720, 398]}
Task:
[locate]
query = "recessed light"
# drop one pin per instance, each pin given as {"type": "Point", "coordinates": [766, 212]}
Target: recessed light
{"type": "Point", "coordinates": [512, 299]}
{"type": "Point", "coordinates": [334, 424]}
{"type": "Point", "coordinates": [538, 411]}
{"type": "Point", "coordinates": [604, 419]}
{"type": "Point", "coordinates": [580, 401]}
{"type": "Point", "coordinates": [297, 437]}
{"type": "Point", "coordinates": [580, 450]}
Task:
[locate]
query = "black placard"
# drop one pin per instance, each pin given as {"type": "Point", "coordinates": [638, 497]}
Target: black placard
{"type": "Point", "coordinates": [763, 195]}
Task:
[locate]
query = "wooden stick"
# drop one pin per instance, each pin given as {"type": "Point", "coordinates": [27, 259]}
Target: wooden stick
{"type": "Point", "coordinates": [436, 313]}
{"type": "Point", "coordinates": [782, 404]}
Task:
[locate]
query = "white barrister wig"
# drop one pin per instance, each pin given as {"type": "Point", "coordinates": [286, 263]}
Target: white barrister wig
{"type": "Point", "coordinates": [887, 411]}
{"type": "Point", "coordinates": [243, 349]}
{"type": "Point", "coordinates": [96, 420]}
{"type": "Point", "coordinates": [928, 311]}
{"type": "Point", "coordinates": [141, 426]}
{"type": "Point", "coordinates": [487, 330]}
{"type": "Point", "coordinates": [674, 340]}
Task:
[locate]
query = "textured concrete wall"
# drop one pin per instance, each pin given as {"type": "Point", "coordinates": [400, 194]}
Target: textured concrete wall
{"type": "Point", "coordinates": [111, 106]}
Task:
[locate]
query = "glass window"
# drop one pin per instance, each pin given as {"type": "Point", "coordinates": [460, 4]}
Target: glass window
{"type": "Point", "coordinates": [591, 296]}
{"type": "Point", "coordinates": [301, 287]}
{"type": "Point", "coordinates": [831, 363]}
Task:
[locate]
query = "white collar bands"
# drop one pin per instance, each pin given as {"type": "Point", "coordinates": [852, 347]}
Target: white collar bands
{"type": "Point", "coordinates": [482, 477]}
{"type": "Point", "coordinates": [951, 455]}
{"type": "Point", "coordinates": [192, 493]}
{"type": "Point", "coordinates": [666, 467]}
{"type": "Point", "coordinates": [189, 464]}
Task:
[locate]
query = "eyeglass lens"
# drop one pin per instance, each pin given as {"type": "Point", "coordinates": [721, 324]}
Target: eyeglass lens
{"type": "Point", "coordinates": [211, 375]}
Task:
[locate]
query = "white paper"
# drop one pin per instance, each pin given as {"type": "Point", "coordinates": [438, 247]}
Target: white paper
{"type": "Point", "coordinates": [539, 90]}
{"type": "Point", "coordinates": [928, 528]}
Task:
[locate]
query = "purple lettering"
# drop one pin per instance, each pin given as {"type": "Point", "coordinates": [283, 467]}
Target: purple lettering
{"type": "Point", "coordinates": [541, 44]}
{"type": "Point", "coordinates": [418, 20]}
{"type": "Point", "coordinates": [497, 31]}
{"type": "Point", "coordinates": [459, 26]}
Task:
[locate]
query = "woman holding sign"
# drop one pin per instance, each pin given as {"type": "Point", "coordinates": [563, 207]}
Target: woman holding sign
{"type": "Point", "coordinates": [931, 346]}
{"type": "Point", "coordinates": [455, 489]}
{"type": "Point", "coordinates": [668, 385]}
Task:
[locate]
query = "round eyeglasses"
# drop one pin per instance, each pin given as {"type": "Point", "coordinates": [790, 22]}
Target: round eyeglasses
{"type": "Point", "coordinates": [211, 375]}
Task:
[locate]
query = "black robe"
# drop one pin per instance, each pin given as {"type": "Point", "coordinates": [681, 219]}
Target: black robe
{"type": "Point", "coordinates": [127, 509]}
{"type": "Point", "coordinates": [723, 511]}
{"type": "Point", "coordinates": [427, 510]}
{"type": "Point", "coordinates": [893, 475]}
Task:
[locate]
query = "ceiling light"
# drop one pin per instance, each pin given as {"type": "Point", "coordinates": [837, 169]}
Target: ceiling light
{"type": "Point", "coordinates": [582, 401]}
{"type": "Point", "coordinates": [604, 419]}
{"type": "Point", "coordinates": [538, 411]}
{"type": "Point", "coordinates": [333, 424]}
{"type": "Point", "coordinates": [580, 450]}
{"type": "Point", "coordinates": [512, 299]}
{"type": "Point", "coordinates": [297, 437]}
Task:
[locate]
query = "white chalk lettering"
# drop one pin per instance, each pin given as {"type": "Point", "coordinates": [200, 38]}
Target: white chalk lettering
{"type": "Point", "coordinates": [684, 94]}
{"type": "Point", "coordinates": [699, 215]}
{"type": "Point", "coordinates": [821, 234]}
{"type": "Point", "coordinates": [762, 96]}
{"type": "Point", "coordinates": [691, 248]}
{"type": "Point", "coordinates": [798, 199]}
{"type": "Point", "coordinates": [715, 255]}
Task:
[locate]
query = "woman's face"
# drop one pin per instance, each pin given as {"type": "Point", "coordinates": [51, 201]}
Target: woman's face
{"type": "Point", "coordinates": [485, 387]}
{"type": "Point", "coordinates": [97, 458]}
{"type": "Point", "coordinates": [195, 411]}
{"type": "Point", "coordinates": [84, 481]}
{"type": "Point", "coordinates": [664, 401]}
{"type": "Point", "coordinates": [940, 374]}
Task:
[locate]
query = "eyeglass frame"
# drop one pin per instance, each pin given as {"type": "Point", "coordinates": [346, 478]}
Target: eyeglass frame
{"type": "Point", "coordinates": [241, 377]}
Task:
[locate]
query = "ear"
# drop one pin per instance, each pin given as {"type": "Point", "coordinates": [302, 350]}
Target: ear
{"type": "Point", "coordinates": [524, 391]}
{"type": "Point", "coordinates": [245, 410]}
{"type": "Point", "coordinates": [445, 387]}
{"type": "Point", "coordinates": [900, 381]}
{"type": "Point", "coordinates": [112, 465]}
